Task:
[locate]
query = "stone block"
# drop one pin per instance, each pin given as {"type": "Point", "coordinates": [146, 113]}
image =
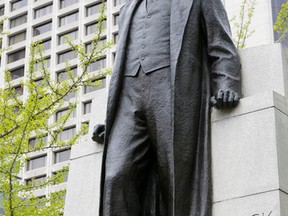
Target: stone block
{"type": "Point", "coordinates": [263, 204]}
{"type": "Point", "coordinates": [263, 70]}
{"type": "Point", "coordinates": [83, 186]}
{"type": "Point", "coordinates": [249, 158]}
{"type": "Point", "coordinates": [250, 148]}
{"type": "Point", "coordinates": [244, 155]}
{"type": "Point", "coordinates": [283, 203]}
{"type": "Point", "coordinates": [281, 122]}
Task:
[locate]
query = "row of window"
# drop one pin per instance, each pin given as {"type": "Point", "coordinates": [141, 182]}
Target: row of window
{"type": "Point", "coordinates": [37, 180]}
{"type": "Point", "coordinates": [15, 5]}
{"type": "Point", "coordinates": [47, 9]}
{"type": "Point", "coordinates": [41, 161]}
{"type": "Point", "coordinates": [19, 90]}
{"type": "Point", "coordinates": [62, 57]}
{"type": "Point", "coordinates": [64, 20]}
{"type": "Point", "coordinates": [21, 36]}
{"type": "Point", "coordinates": [43, 28]}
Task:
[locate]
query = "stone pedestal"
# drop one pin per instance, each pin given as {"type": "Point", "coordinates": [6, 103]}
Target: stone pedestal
{"type": "Point", "coordinates": [249, 146]}
{"type": "Point", "coordinates": [250, 143]}
{"type": "Point", "coordinates": [82, 198]}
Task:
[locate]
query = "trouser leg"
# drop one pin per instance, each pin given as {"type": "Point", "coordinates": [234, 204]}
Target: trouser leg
{"type": "Point", "coordinates": [139, 141]}
{"type": "Point", "coordinates": [159, 123]}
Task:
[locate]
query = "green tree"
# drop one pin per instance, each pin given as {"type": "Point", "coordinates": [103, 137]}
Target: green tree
{"type": "Point", "coordinates": [281, 24]}
{"type": "Point", "coordinates": [23, 118]}
{"type": "Point", "coordinates": [242, 23]}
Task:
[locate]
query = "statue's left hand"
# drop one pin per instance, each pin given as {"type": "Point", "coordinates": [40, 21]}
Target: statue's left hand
{"type": "Point", "coordinates": [99, 133]}
{"type": "Point", "coordinates": [225, 99]}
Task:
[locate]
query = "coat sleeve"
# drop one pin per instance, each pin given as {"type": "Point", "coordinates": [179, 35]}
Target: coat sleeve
{"type": "Point", "coordinates": [222, 55]}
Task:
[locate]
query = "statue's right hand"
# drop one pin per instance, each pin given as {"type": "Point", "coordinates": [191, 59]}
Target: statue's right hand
{"type": "Point", "coordinates": [99, 133]}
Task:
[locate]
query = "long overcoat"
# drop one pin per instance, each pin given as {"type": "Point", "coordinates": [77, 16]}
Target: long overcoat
{"type": "Point", "coordinates": [203, 61]}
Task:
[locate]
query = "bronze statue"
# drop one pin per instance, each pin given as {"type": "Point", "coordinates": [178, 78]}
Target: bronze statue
{"type": "Point", "coordinates": [175, 58]}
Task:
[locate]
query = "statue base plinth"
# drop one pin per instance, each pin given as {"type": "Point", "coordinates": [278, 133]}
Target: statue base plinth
{"type": "Point", "coordinates": [249, 146]}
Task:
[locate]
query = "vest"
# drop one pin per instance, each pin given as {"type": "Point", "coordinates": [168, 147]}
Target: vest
{"type": "Point", "coordinates": [149, 37]}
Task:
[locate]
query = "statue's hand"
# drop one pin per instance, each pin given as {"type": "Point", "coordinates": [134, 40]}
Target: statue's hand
{"type": "Point", "coordinates": [224, 99]}
{"type": "Point", "coordinates": [99, 133]}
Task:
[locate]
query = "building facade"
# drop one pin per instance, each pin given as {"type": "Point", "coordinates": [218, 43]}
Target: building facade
{"type": "Point", "coordinates": [49, 21]}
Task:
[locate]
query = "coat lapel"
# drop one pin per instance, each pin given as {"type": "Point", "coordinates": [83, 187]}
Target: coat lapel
{"type": "Point", "coordinates": [126, 15]}
{"type": "Point", "coordinates": [127, 12]}
{"type": "Point", "coordinates": [180, 10]}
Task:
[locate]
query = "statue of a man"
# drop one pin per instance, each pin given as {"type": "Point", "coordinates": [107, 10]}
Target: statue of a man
{"type": "Point", "coordinates": [175, 58]}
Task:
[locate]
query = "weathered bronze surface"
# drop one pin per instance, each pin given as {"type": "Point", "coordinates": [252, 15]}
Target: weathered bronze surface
{"type": "Point", "coordinates": [174, 60]}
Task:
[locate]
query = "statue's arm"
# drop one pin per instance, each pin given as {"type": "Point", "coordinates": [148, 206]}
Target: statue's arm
{"type": "Point", "coordinates": [222, 55]}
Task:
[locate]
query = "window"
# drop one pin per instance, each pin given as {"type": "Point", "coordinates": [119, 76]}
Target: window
{"type": "Point", "coordinates": [40, 82]}
{"type": "Point", "coordinates": [15, 56]}
{"type": "Point", "coordinates": [101, 43]}
{"type": "Point", "coordinates": [90, 88]}
{"type": "Point", "coordinates": [60, 113]}
{"type": "Point", "coordinates": [42, 28]}
{"type": "Point", "coordinates": [72, 35]}
{"type": "Point", "coordinates": [98, 65]}
{"type": "Point", "coordinates": [119, 2]}
{"type": "Point", "coordinates": [15, 5]}
{"type": "Point", "coordinates": [67, 134]}
{"type": "Point", "coordinates": [19, 37]}
{"type": "Point", "coordinates": [68, 19]}
{"type": "Point", "coordinates": [46, 44]}
{"type": "Point", "coordinates": [65, 176]}
{"type": "Point", "coordinates": [62, 57]}
{"type": "Point", "coordinates": [46, 63]}
{"type": "Point", "coordinates": [39, 141]}
{"type": "Point", "coordinates": [276, 6]}
{"type": "Point", "coordinates": [87, 107]}
{"type": "Point", "coordinates": [36, 163]}
{"type": "Point", "coordinates": [1, 204]}
{"type": "Point", "coordinates": [18, 21]}
{"type": "Point", "coordinates": [43, 11]}
{"type": "Point", "coordinates": [86, 125]}
{"type": "Point", "coordinates": [70, 95]}
{"type": "Point", "coordinates": [37, 181]}
{"type": "Point", "coordinates": [2, 10]}
{"type": "Point", "coordinates": [91, 28]}
{"type": "Point", "coordinates": [17, 73]}
{"type": "Point", "coordinates": [93, 9]}
{"type": "Point", "coordinates": [116, 38]}
{"type": "Point", "coordinates": [62, 156]}
{"type": "Point", "coordinates": [116, 19]}
{"type": "Point", "coordinates": [18, 90]}
{"type": "Point", "coordinates": [32, 142]}
{"type": "Point", "coordinates": [65, 3]}
{"type": "Point", "coordinates": [64, 75]}
{"type": "Point", "coordinates": [114, 57]}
